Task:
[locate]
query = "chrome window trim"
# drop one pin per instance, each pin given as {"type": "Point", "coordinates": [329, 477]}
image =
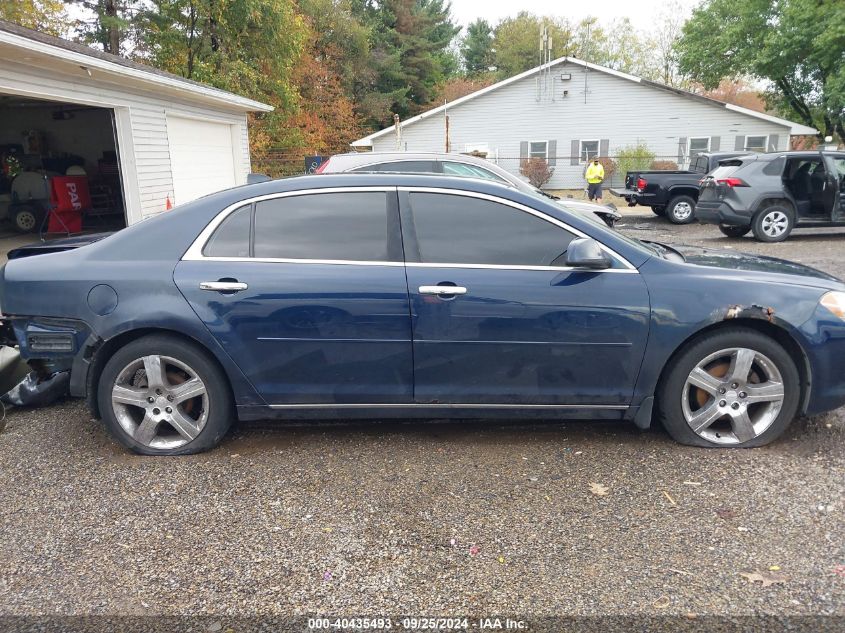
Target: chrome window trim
{"type": "Point", "coordinates": [525, 209]}
{"type": "Point", "coordinates": [194, 252]}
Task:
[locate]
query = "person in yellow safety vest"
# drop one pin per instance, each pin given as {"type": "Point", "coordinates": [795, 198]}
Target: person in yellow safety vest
{"type": "Point", "coordinates": [595, 176]}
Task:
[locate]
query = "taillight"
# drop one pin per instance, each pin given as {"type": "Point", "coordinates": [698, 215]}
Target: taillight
{"type": "Point", "coordinates": [322, 166]}
{"type": "Point", "coordinates": [641, 183]}
{"type": "Point", "coordinates": [732, 182]}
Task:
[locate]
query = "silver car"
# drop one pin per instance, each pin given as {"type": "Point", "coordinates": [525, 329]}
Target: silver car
{"type": "Point", "coordinates": [453, 165]}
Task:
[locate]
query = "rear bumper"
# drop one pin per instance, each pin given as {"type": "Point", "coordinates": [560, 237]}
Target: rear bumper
{"type": "Point", "coordinates": [720, 212]}
{"type": "Point", "coordinates": [632, 196]}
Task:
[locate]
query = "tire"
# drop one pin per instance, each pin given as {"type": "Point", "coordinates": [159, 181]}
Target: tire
{"type": "Point", "coordinates": [660, 211]}
{"type": "Point", "coordinates": [681, 210]}
{"type": "Point", "coordinates": [682, 404]}
{"type": "Point", "coordinates": [773, 223]}
{"type": "Point", "coordinates": [25, 220]}
{"type": "Point", "coordinates": [734, 231]}
{"type": "Point", "coordinates": [168, 425]}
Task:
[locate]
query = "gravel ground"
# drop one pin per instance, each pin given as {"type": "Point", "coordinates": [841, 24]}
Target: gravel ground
{"type": "Point", "coordinates": [429, 518]}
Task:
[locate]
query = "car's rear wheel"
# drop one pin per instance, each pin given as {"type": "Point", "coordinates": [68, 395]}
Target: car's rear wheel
{"type": "Point", "coordinates": [773, 223]}
{"type": "Point", "coordinates": [734, 231]}
{"type": "Point", "coordinates": [732, 388]}
{"type": "Point", "coordinates": [681, 210]}
{"type": "Point", "coordinates": [161, 395]}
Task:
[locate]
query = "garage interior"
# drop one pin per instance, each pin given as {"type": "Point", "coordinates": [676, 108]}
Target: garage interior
{"type": "Point", "coordinates": [59, 171]}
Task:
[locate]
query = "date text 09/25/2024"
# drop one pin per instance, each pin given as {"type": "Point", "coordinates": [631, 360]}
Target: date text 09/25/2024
{"type": "Point", "coordinates": [416, 624]}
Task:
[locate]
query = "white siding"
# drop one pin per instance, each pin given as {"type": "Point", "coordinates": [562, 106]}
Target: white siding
{"type": "Point", "coordinates": [149, 156]}
{"type": "Point", "coordinates": [616, 109]}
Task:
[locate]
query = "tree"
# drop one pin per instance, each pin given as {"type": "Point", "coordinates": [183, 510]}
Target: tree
{"type": "Point", "coordinates": [109, 24]}
{"type": "Point", "coordinates": [796, 45]}
{"type": "Point", "coordinates": [664, 43]}
{"type": "Point", "coordinates": [410, 41]}
{"type": "Point", "coordinates": [516, 42]}
{"type": "Point", "coordinates": [477, 48]}
{"type": "Point", "coordinates": [250, 47]}
{"type": "Point", "coordinates": [738, 92]}
{"type": "Point", "coordinates": [47, 16]}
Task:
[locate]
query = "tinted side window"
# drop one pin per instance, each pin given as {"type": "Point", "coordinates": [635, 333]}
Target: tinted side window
{"type": "Point", "coordinates": [346, 226]}
{"type": "Point", "coordinates": [464, 230]}
{"type": "Point", "coordinates": [775, 167]}
{"type": "Point", "coordinates": [231, 239]}
{"type": "Point", "coordinates": [403, 166]}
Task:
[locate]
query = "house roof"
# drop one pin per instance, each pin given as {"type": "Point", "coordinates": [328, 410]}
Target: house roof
{"type": "Point", "coordinates": [35, 42]}
{"type": "Point", "coordinates": [795, 128]}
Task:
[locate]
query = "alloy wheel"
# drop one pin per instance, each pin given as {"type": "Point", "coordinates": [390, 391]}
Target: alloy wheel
{"type": "Point", "coordinates": [774, 223]}
{"type": "Point", "coordinates": [732, 396]}
{"type": "Point", "coordinates": [160, 402]}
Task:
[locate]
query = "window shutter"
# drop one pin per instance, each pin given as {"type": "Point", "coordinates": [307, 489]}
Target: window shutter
{"type": "Point", "coordinates": [604, 147]}
{"type": "Point", "coordinates": [739, 143]}
{"type": "Point", "coordinates": [715, 142]}
{"type": "Point", "coordinates": [682, 149]}
{"type": "Point", "coordinates": [773, 142]}
{"type": "Point", "coordinates": [523, 149]}
{"type": "Point", "coordinates": [552, 153]}
{"type": "Point", "coordinates": [573, 153]}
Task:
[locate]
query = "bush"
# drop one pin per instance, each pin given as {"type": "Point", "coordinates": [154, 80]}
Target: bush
{"type": "Point", "coordinates": [664, 164]}
{"type": "Point", "coordinates": [537, 171]}
{"type": "Point", "coordinates": [634, 158]}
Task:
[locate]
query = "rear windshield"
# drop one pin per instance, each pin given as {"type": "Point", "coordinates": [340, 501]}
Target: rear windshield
{"type": "Point", "coordinates": [699, 164]}
{"type": "Point", "coordinates": [726, 168]}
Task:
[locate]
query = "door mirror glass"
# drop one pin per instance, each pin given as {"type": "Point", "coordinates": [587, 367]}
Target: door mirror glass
{"type": "Point", "coordinates": [585, 252]}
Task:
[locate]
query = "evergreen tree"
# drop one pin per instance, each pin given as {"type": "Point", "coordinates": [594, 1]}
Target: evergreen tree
{"type": "Point", "coordinates": [477, 48]}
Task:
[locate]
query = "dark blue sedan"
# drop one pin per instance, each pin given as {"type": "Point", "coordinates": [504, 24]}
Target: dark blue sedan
{"type": "Point", "coordinates": [356, 296]}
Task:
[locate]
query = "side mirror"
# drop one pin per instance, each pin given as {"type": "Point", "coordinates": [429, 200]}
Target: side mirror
{"type": "Point", "coordinates": [585, 252]}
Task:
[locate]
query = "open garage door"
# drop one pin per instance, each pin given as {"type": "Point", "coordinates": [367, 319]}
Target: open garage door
{"type": "Point", "coordinates": [201, 157]}
{"type": "Point", "coordinates": [59, 170]}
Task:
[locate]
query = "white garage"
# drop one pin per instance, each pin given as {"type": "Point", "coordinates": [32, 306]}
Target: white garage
{"type": "Point", "coordinates": [137, 136]}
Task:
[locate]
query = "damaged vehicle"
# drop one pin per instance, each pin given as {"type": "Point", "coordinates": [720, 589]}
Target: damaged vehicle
{"type": "Point", "coordinates": [408, 296]}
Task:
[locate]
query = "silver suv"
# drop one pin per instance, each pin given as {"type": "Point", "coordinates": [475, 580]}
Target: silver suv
{"type": "Point", "coordinates": [771, 194]}
{"type": "Point", "coordinates": [452, 165]}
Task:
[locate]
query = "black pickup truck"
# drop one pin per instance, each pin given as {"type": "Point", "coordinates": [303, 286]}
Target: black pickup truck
{"type": "Point", "coordinates": [674, 192]}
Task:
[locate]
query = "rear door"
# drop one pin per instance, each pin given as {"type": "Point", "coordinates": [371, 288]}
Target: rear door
{"type": "Point", "coordinates": [307, 293]}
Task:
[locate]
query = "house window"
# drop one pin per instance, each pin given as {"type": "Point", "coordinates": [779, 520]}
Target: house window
{"type": "Point", "coordinates": [589, 150]}
{"type": "Point", "coordinates": [756, 143]}
{"type": "Point", "coordinates": [538, 149]}
{"type": "Point", "coordinates": [697, 145]}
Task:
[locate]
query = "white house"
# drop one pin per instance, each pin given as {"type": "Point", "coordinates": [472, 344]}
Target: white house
{"type": "Point", "coordinates": [569, 110]}
{"type": "Point", "coordinates": [142, 134]}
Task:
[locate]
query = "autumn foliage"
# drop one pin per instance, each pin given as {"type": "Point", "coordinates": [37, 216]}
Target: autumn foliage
{"type": "Point", "coordinates": [537, 171]}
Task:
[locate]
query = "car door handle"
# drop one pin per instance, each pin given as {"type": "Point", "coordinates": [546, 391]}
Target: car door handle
{"type": "Point", "coordinates": [223, 286]}
{"type": "Point", "coordinates": [442, 290]}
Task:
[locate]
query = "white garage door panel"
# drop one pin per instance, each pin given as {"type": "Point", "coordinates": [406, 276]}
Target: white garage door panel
{"type": "Point", "coordinates": [201, 157]}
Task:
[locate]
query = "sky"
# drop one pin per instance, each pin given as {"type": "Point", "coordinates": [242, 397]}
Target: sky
{"type": "Point", "coordinates": [642, 13]}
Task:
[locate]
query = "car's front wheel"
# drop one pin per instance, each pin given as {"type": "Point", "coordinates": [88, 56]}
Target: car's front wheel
{"type": "Point", "coordinates": [733, 387]}
{"type": "Point", "coordinates": [161, 395]}
{"type": "Point", "coordinates": [681, 210]}
{"type": "Point", "coordinates": [734, 231]}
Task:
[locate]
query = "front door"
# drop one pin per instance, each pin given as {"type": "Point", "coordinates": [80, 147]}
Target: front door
{"type": "Point", "coordinates": [499, 319]}
{"type": "Point", "coordinates": [307, 293]}
{"type": "Point", "coordinates": [834, 186]}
